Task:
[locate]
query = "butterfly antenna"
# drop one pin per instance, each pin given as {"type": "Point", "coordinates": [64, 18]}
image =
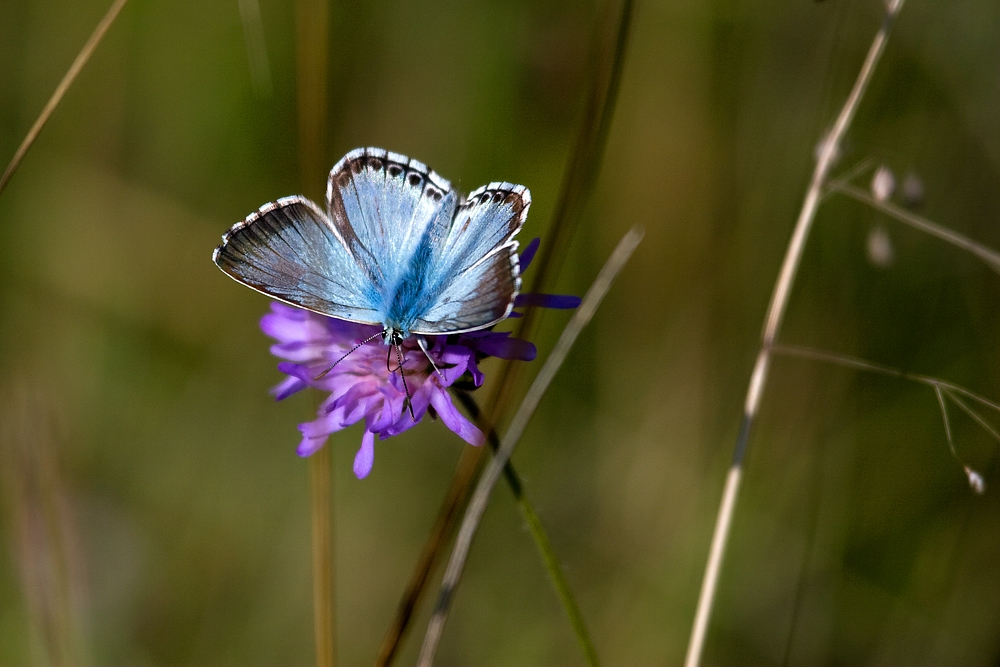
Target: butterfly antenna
{"type": "Point", "coordinates": [402, 376]}
{"type": "Point", "coordinates": [422, 342]}
{"type": "Point", "coordinates": [352, 350]}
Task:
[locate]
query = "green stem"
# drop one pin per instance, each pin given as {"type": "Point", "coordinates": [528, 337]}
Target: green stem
{"type": "Point", "coordinates": [608, 55]}
{"type": "Point", "coordinates": [548, 554]}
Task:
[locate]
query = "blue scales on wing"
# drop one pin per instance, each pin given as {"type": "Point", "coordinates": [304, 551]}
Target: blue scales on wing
{"type": "Point", "coordinates": [383, 205]}
{"type": "Point", "coordinates": [398, 247]}
{"type": "Point", "coordinates": [290, 250]}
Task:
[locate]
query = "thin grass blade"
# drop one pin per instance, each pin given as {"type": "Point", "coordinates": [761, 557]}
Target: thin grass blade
{"type": "Point", "coordinates": [607, 64]}
{"type": "Point", "coordinates": [610, 42]}
{"type": "Point", "coordinates": [548, 554]}
{"type": "Point", "coordinates": [480, 498]}
{"type": "Point", "coordinates": [828, 151]}
{"type": "Point", "coordinates": [67, 81]}
{"type": "Point", "coordinates": [975, 415]}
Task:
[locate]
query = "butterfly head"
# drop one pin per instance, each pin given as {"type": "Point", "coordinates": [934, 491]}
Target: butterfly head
{"type": "Point", "coordinates": [393, 336]}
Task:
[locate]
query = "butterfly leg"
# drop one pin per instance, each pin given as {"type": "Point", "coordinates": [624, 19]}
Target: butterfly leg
{"type": "Point", "coordinates": [408, 404]}
{"type": "Point", "coordinates": [422, 342]}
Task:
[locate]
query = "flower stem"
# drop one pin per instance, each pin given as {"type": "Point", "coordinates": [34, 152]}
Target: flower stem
{"type": "Point", "coordinates": [480, 498]}
{"type": "Point", "coordinates": [828, 152]}
{"type": "Point", "coordinates": [453, 504]}
{"type": "Point", "coordinates": [311, 32]}
{"type": "Point", "coordinates": [455, 499]}
{"type": "Point", "coordinates": [548, 554]}
{"type": "Point", "coordinates": [320, 465]}
{"type": "Point", "coordinates": [610, 41]}
{"type": "Point", "coordinates": [67, 81]}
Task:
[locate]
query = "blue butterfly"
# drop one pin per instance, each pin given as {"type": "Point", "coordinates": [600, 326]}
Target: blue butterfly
{"type": "Point", "coordinates": [396, 247]}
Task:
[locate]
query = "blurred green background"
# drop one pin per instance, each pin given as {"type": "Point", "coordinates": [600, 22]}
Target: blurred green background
{"type": "Point", "coordinates": [142, 458]}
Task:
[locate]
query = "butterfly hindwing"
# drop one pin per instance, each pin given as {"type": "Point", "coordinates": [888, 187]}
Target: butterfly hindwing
{"type": "Point", "coordinates": [383, 204]}
{"type": "Point", "coordinates": [476, 274]}
{"type": "Point", "coordinates": [291, 251]}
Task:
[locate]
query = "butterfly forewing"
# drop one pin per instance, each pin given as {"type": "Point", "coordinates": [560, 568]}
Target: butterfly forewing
{"type": "Point", "coordinates": [398, 248]}
{"type": "Point", "coordinates": [290, 250]}
{"type": "Point", "coordinates": [476, 274]}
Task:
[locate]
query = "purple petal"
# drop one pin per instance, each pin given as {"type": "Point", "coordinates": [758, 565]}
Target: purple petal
{"type": "Point", "coordinates": [380, 415]}
{"type": "Point", "coordinates": [349, 331]}
{"type": "Point", "coordinates": [310, 446]}
{"type": "Point", "coordinates": [456, 354]}
{"type": "Point", "coordinates": [286, 329]}
{"type": "Point", "coordinates": [422, 397]}
{"type": "Point", "coordinates": [454, 420]}
{"type": "Point", "coordinates": [325, 425]}
{"type": "Point", "coordinates": [287, 387]}
{"type": "Point", "coordinates": [459, 357]}
{"type": "Point", "coordinates": [529, 253]}
{"type": "Point", "coordinates": [507, 348]}
{"type": "Point", "coordinates": [477, 375]}
{"type": "Point", "coordinates": [365, 457]}
{"type": "Point", "coordinates": [401, 419]}
{"type": "Point", "coordinates": [297, 371]}
{"type": "Point", "coordinates": [291, 312]}
{"type": "Point", "coordinates": [298, 348]}
{"type": "Point", "coordinates": [404, 423]}
{"type": "Point", "coordinates": [358, 402]}
{"type": "Point", "coordinates": [562, 301]}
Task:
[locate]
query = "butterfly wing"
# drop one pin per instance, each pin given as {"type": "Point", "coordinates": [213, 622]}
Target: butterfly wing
{"type": "Point", "coordinates": [290, 250]}
{"type": "Point", "coordinates": [384, 206]}
{"type": "Point", "coordinates": [476, 274]}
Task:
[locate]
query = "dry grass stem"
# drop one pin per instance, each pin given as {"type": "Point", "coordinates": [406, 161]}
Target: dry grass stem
{"type": "Point", "coordinates": [67, 81]}
{"type": "Point", "coordinates": [942, 390]}
{"type": "Point", "coordinates": [312, 33]}
{"type": "Point", "coordinates": [828, 153]}
{"type": "Point", "coordinates": [607, 62]}
{"type": "Point", "coordinates": [320, 465]}
{"type": "Point", "coordinates": [975, 415]}
{"type": "Point", "coordinates": [947, 424]}
{"type": "Point", "coordinates": [257, 60]}
{"type": "Point", "coordinates": [534, 522]}
{"type": "Point", "coordinates": [991, 257]}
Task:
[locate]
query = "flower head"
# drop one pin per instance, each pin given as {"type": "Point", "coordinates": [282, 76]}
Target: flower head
{"type": "Point", "coordinates": [367, 384]}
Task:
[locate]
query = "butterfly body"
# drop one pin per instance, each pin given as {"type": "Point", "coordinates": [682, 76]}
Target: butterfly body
{"type": "Point", "coordinates": [396, 247]}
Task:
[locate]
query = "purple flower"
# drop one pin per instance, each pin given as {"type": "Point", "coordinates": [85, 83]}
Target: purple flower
{"type": "Point", "coordinates": [366, 385]}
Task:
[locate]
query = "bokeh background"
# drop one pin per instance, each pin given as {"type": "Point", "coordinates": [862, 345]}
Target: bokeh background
{"type": "Point", "coordinates": [154, 511]}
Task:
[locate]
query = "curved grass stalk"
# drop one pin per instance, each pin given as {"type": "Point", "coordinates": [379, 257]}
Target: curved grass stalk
{"type": "Point", "coordinates": [67, 81]}
{"type": "Point", "coordinates": [490, 476]}
{"type": "Point", "coordinates": [582, 167]}
{"type": "Point", "coordinates": [545, 549]}
{"type": "Point", "coordinates": [610, 42]}
{"type": "Point", "coordinates": [829, 150]}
